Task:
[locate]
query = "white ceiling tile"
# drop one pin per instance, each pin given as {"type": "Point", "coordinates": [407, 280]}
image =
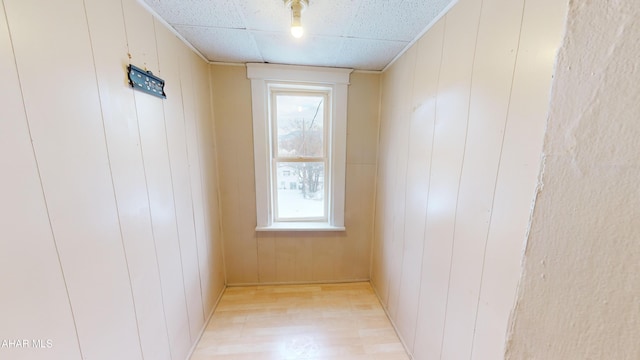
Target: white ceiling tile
{"type": "Point", "coordinates": [394, 20]}
{"type": "Point", "coordinates": [282, 48]}
{"type": "Point", "coordinates": [366, 54]}
{"type": "Point", "coordinates": [218, 13]}
{"type": "Point", "coordinates": [265, 15]}
{"type": "Point", "coordinates": [330, 17]}
{"type": "Point", "coordinates": [359, 34]}
{"type": "Point", "coordinates": [223, 45]}
{"type": "Point", "coordinates": [321, 17]}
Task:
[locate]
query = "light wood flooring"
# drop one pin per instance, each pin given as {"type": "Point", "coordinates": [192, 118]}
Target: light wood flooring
{"type": "Point", "coordinates": [320, 322]}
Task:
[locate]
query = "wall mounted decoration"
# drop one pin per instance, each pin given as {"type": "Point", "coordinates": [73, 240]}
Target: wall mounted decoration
{"type": "Point", "coordinates": [145, 81]}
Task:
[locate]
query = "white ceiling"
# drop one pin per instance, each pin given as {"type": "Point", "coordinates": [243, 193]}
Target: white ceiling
{"type": "Point", "coordinates": [358, 34]}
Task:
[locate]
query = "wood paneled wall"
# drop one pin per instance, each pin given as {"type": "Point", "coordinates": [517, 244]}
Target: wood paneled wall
{"type": "Point", "coordinates": [463, 115]}
{"type": "Point", "coordinates": [285, 257]}
{"type": "Point", "coordinates": [109, 234]}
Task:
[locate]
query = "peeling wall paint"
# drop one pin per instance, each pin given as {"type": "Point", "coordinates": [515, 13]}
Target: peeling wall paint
{"type": "Point", "coordinates": [579, 296]}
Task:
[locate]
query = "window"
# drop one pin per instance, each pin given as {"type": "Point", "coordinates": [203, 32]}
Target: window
{"type": "Point", "coordinates": [298, 124]}
{"type": "Point", "coordinates": [299, 130]}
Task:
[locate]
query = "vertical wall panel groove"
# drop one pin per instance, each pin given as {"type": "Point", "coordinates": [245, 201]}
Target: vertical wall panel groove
{"type": "Point", "coordinates": [99, 201]}
{"type": "Point", "coordinates": [185, 84]}
{"type": "Point", "coordinates": [402, 116]}
{"type": "Point", "coordinates": [207, 149]}
{"type": "Point", "coordinates": [421, 148]}
{"type": "Point", "coordinates": [143, 51]}
{"type": "Point", "coordinates": [27, 241]}
{"type": "Point", "coordinates": [449, 300]}
{"type": "Point", "coordinates": [541, 32]}
{"type": "Point", "coordinates": [496, 181]}
{"type": "Point", "coordinates": [168, 50]}
{"type": "Point", "coordinates": [109, 162]}
{"type": "Point", "coordinates": [494, 60]}
{"type": "Point", "coordinates": [203, 237]}
{"type": "Point", "coordinates": [128, 172]}
{"type": "Point", "coordinates": [75, 178]}
{"type": "Point", "coordinates": [438, 70]}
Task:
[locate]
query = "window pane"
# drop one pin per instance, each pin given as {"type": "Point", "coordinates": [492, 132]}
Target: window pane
{"type": "Point", "coordinates": [300, 125]}
{"type": "Point", "coordinates": [300, 190]}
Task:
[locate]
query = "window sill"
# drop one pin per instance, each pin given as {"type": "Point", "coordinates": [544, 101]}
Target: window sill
{"type": "Point", "coordinates": [300, 226]}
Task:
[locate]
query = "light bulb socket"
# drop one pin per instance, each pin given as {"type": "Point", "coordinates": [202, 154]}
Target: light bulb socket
{"type": "Point", "coordinates": [303, 4]}
{"type": "Point", "coordinates": [297, 7]}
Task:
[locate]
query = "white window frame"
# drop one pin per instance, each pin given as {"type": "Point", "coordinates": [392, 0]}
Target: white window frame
{"type": "Point", "coordinates": [264, 76]}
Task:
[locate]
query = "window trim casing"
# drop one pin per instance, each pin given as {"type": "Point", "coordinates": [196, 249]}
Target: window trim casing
{"type": "Point", "coordinates": [261, 75]}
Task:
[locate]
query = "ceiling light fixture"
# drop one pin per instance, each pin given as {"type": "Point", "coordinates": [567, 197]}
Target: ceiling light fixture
{"type": "Point", "coordinates": [297, 7]}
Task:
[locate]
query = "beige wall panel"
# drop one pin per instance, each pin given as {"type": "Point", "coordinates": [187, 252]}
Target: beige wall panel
{"type": "Point", "coordinates": [385, 179]}
{"type": "Point", "coordinates": [107, 185]}
{"type": "Point", "coordinates": [207, 182]}
{"type": "Point", "coordinates": [362, 124]}
{"type": "Point", "coordinates": [69, 143]}
{"type": "Point", "coordinates": [360, 188]}
{"type": "Point", "coordinates": [153, 142]}
{"type": "Point", "coordinates": [401, 117]}
{"type": "Point", "coordinates": [201, 151]}
{"type": "Point", "coordinates": [296, 256]}
{"type": "Point", "coordinates": [200, 219]}
{"type": "Point", "coordinates": [234, 136]}
{"type": "Point", "coordinates": [267, 255]}
{"type": "Point", "coordinates": [377, 273]}
{"type": "Point", "coordinates": [28, 255]}
{"type": "Point", "coordinates": [108, 37]}
{"type": "Point", "coordinates": [429, 55]}
{"type": "Point", "coordinates": [154, 149]}
{"type": "Point", "coordinates": [213, 209]}
{"type": "Point", "coordinates": [392, 86]}
{"type": "Point", "coordinates": [192, 147]}
{"type": "Point", "coordinates": [517, 178]}
{"type": "Point", "coordinates": [460, 26]}
{"type": "Point", "coordinates": [489, 109]}
{"type": "Point", "coordinates": [169, 48]}
{"type": "Point", "coordinates": [293, 251]}
{"type": "Point", "coordinates": [496, 46]}
{"type": "Point", "coordinates": [327, 255]}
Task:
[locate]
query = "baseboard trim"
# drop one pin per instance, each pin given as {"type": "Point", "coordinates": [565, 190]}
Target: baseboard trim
{"type": "Point", "coordinates": [299, 282]}
{"type": "Point", "coordinates": [206, 324]}
{"type": "Point", "coordinates": [393, 324]}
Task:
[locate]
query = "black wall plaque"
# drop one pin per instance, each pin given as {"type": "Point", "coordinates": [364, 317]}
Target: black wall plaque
{"type": "Point", "coordinates": [145, 81]}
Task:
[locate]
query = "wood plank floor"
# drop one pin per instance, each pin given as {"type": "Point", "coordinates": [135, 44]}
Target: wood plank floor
{"type": "Point", "coordinates": [320, 322]}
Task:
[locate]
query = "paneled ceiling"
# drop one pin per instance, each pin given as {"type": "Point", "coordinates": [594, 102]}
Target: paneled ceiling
{"type": "Point", "coordinates": [358, 34]}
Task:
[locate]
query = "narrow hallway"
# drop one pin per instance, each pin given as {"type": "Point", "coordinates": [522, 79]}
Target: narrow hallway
{"type": "Point", "coordinates": [318, 321]}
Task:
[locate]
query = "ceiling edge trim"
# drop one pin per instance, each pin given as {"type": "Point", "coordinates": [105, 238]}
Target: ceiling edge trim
{"type": "Point", "coordinates": [172, 29]}
{"type": "Point", "coordinates": [421, 34]}
{"type": "Point", "coordinates": [223, 63]}
{"type": "Point", "coordinates": [367, 71]}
